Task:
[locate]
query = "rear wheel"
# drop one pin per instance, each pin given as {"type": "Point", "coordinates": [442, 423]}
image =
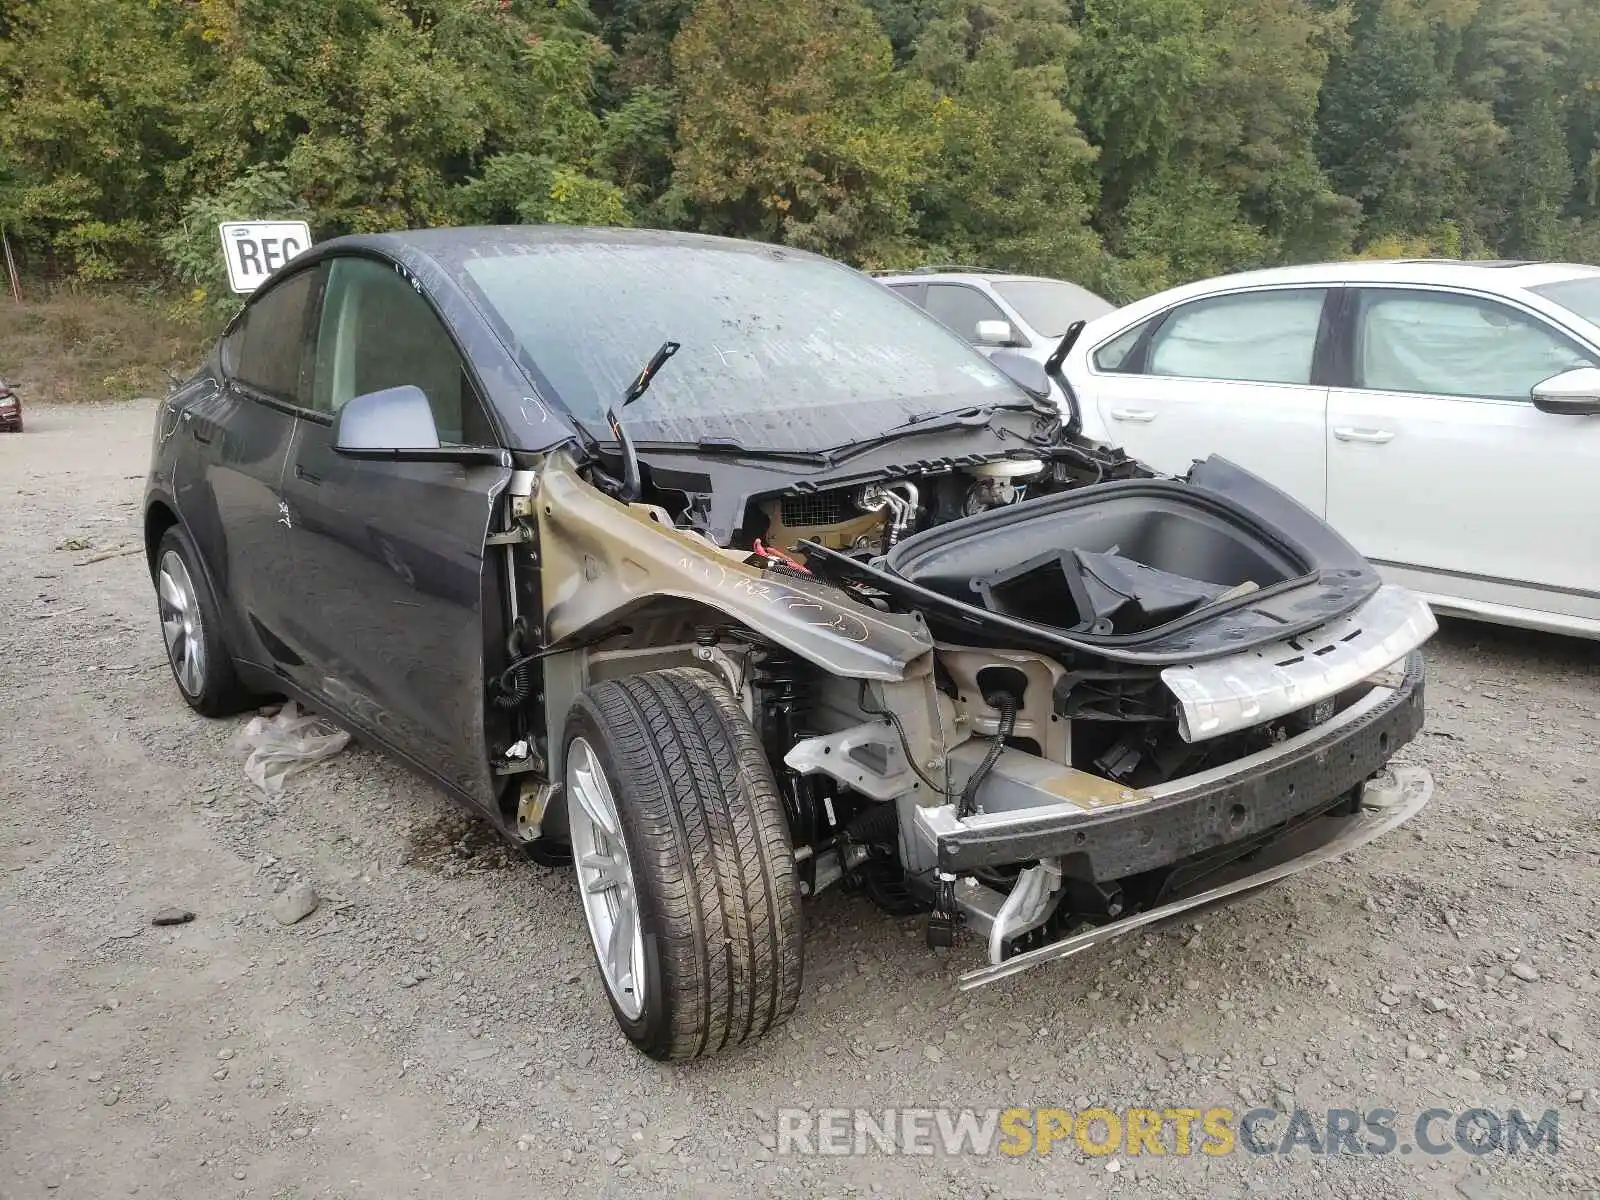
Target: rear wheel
{"type": "Point", "coordinates": [684, 863]}
{"type": "Point", "coordinates": [191, 627]}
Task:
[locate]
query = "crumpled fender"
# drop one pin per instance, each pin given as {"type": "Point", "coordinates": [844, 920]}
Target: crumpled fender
{"type": "Point", "coordinates": [600, 559]}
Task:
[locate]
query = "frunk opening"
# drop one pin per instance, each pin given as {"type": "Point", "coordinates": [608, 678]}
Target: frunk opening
{"type": "Point", "coordinates": [1122, 565]}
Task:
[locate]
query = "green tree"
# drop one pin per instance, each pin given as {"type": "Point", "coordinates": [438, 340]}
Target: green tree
{"type": "Point", "coordinates": [1137, 142]}
{"type": "Point", "coordinates": [1179, 227]}
{"type": "Point", "coordinates": [1537, 182]}
{"type": "Point", "coordinates": [1252, 127]}
{"type": "Point", "coordinates": [794, 126]}
{"type": "Point", "coordinates": [96, 97]}
{"type": "Point", "coordinates": [1133, 83]}
{"type": "Point", "coordinates": [1010, 179]}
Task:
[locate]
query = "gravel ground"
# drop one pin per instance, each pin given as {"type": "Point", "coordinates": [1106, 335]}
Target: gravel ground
{"type": "Point", "coordinates": [437, 1027]}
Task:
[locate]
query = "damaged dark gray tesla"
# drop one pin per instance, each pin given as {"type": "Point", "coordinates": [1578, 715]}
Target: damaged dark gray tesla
{"type": "Point", "coordinates": [721, 572]}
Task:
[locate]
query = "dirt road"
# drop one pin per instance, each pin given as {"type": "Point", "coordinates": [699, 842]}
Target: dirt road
{"type": "Point", "coordinates": [437, 1028]}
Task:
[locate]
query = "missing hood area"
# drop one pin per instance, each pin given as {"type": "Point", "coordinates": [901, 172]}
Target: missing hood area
{"type": "Point", "coordinates": [1149, 571]}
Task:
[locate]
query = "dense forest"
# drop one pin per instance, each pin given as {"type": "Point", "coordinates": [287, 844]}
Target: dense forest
{"type": "Point", "coordinates": [1127, 144]}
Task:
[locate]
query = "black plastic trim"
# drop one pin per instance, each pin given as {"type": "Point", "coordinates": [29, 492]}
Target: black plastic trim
{"type": "Point", "coordinates": [1330, 363]}
{"type": "Point", "coordinates": [1240, 808]}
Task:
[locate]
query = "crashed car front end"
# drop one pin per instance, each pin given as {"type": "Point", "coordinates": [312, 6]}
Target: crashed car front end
{"type": "Point", "coordinates": [1046, 719]}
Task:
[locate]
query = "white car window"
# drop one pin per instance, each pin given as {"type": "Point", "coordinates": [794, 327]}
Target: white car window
{"type": "Point", "coordinates": [1259, 337]}
{"type": "Point", "coordinates": [961, 308]}
{"type": "Point", "coordinates": [1113, 356]}
{"type": "Point", "coordinates": [1447, 345]}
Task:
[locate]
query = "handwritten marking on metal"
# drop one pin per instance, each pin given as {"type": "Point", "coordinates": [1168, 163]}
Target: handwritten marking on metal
{"type": "Point", "coordinates": [808, 608]}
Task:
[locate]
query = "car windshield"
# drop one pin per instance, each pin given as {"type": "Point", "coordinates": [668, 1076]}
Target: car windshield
{"type": "Point", "coordinates": [1580, 296]}
{"type": "Point", "coordinates": [779, 350]}
{"type": "Point", "coordinates": [1050, 305]}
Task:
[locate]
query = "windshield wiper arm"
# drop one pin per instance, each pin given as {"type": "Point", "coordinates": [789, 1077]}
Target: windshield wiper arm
{"type": "Point", "coordinates": [630, 455]}
{"type": "Point", "coordinates": [728, 445]}
{"type": "Point", "coordinates": [973, 417]}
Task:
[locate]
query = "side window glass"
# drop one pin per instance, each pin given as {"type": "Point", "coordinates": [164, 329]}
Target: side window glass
{"type": "Point", "coordinates": [961, 308]}
{"type": "Point", "coordinates": [377, 332]}
{"type": "Point", "coordinates": [1259, 337]}
{"type": "Point", "coordinates": [1448, 345]}
{"type": "Point", "coordinates": [270, 352]}
{"type": "Point", "coordinates": [1113, 356]}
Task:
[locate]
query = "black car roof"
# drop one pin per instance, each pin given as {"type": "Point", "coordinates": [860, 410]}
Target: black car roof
{"type": "Point", "coordinates": [455, 243]}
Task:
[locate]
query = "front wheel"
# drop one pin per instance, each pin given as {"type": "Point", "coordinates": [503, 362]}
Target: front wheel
{"type": "Point", "coordinates": [684, 863]}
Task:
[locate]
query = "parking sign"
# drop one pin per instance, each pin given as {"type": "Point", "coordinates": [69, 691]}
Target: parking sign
{"type": "Point", "coordinates": [255, 249]}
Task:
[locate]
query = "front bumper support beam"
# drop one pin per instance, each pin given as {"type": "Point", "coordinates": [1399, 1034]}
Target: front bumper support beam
{"type": "Point", "coordinates": [1386, 804]}
{"type": "Point", "coordinates": [1112, 836]}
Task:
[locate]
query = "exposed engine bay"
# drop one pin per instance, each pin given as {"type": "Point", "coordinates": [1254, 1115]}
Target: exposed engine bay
{"type": "Point", "coordinates": [872, 518]}
{"type": "Point", "coordinates": [1022, 692]}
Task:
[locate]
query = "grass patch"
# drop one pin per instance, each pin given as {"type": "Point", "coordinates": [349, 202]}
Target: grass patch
{"type": "Point", "coordinates": [73, 346]}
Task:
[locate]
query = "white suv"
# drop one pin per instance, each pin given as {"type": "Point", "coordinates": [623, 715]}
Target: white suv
{"type": "Point", "coordinates": [1444, 416]}
{"type": "Point", "coordinates": [994, 310]}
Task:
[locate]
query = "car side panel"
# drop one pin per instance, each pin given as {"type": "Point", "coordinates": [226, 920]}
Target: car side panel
{"type": "Point", "coordinates": [388, 618]}
{"type": "Point", "coordinates": [1483, 503]}
{"type": "Point", "coordinates": [1468, 489]}
{"type": "Point", "coordinates": [228, 467]}
{"type": "Point", "coordinates": [1168, 420]}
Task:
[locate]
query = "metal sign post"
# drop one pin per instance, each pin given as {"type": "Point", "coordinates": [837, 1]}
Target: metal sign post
{"type": "Point", "coordinates": [11, 267]}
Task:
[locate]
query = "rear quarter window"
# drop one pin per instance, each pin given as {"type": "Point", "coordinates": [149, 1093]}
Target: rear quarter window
{"type": "Point", "coordinates": [1113, 356]}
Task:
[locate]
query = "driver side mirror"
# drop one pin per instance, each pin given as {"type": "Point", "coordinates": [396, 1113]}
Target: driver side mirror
{"type": "Point", "coordinates": [995, 333]}
{"type": "Point", "coordinates": [386, 423]}
{"type": "Point", "coordinates": [397, 423]}
{"type": "Point", "coordinates": [1573, 393]}
{"type": "Point", "coordinates": [1026, 372]}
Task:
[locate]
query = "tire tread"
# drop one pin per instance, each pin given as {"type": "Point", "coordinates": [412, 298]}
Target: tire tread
{"type": "Point", "coordinates": [714, 861]}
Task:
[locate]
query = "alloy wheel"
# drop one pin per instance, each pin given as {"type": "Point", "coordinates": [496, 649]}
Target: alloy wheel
{"type": "Point", "coordinates": [180, 623]}
{"type": "Point", "coordinates": [605, 878]}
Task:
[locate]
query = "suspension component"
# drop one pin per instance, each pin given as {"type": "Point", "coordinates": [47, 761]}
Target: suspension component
{"type": "Point", "coordinates": [779, 684]}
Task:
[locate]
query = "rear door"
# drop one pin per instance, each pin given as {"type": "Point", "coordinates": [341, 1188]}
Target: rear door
{"type": "Point", "coordinates": [389, 563]}
{"type": "Point", "coordinates": [229, 472]}
{"type": "Point", "coordinates": [1439, 462]}
{"type": "Point", "coordinates": [1235, 375]}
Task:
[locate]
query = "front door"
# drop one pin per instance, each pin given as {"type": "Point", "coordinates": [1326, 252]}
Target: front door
{"type": "Point", "coordinates": [389, 556]}
{"type": "Point", "coordinates": [1230, 375]}
{"type": "Point", "coordinates": [1438, 461]}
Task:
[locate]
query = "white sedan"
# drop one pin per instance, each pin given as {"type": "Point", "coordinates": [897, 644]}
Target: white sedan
{"type": "Point", "coordinates": [1444, 416]}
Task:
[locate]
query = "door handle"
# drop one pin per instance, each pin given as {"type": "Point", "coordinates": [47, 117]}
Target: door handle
{"type": "Point", "coordinates": [1347, 433]}
{"type": "Point", "coordinates": [305, 476]}
{"type": "Point", "coordinates": [201, 432]}
{"type": "Point", "coordinates": [1141, 416]}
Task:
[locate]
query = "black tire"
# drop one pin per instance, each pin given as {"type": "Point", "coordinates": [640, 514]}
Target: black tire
{"type": "Point", "coordinates": [711, 856]}
{"type": "Point", "coordinates": [214, 690]}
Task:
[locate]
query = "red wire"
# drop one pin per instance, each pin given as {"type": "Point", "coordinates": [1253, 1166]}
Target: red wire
{"type": "Point", "coordinates": [774, 553]}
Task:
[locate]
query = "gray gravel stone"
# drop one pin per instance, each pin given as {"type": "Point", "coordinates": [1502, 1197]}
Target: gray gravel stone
{"type": "Point", "coordinates": [295, 904]}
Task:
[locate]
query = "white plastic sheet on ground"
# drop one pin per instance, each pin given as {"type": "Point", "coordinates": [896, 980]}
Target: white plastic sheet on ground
{"type": "Point", "coordinates": [289, 742]}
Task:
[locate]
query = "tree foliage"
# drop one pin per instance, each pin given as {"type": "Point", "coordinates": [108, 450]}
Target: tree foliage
{"type": "Point", "coordinates": [1129, 144]}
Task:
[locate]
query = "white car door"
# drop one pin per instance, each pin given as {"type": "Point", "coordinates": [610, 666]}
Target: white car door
{"type": "Point", "coordinates": [1229, 375]}
{"type": "Point", "coordinates": [1441, 469]}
